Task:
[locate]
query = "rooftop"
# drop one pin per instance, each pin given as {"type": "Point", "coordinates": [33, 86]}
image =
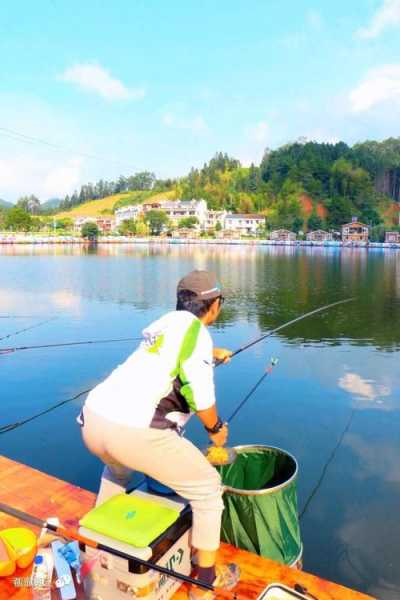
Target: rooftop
{"type": "Point", "coordinates": [243, 216]}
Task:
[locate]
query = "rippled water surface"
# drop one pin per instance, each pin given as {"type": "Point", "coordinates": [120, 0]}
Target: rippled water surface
{"type": "Point", "coordinates": [333, 400]}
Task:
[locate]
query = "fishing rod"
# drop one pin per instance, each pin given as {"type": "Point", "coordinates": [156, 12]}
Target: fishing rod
{"type": "Point", "coordinates": [72, 535]}
{"type": "Point", "coordinates": [5, 337]}
{"type": "Point", "coordinates": [18, 348]}
{"type": "Point", "coordinates": [11, 426]}
{"type": "Point", "coordinates": [267, 335]}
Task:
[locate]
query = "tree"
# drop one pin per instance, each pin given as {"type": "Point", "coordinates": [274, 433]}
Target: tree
{"type": "Point", "coordinates": [314, 221]}
{"type": "Point", "coordinates": [90, 230]}
{"type": "Point", "coordinates": [30, 204]}
{"type": "Point", "coordinates": [156, 220]}
{"type": "Point", "coordinates": [18, 219]}
{"type": "Point", "coordinates": [297, 224]}
{"type": "Point", "coordinates": [141, 181]}
{"type": "Point", "coordinates": [377, 233]}
{"type": "Point", "coordinates": [218, 226]}
{"type": "Point", "coordinates": [63, 224]}
{"type": "Point", "coordinates": [128, 227]}
{"type": "Point", "coordinates": [189, 222]}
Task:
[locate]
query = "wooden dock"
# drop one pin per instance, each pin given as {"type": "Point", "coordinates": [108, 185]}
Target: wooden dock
{"type": "Point", "coordinates": [44, 496]}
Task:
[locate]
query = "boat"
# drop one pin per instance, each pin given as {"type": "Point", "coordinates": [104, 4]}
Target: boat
{"type": "Point", "coordinates": [44, 496]}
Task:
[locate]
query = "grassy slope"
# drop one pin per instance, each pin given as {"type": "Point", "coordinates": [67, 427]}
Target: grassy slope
{"type": "Point", "coordinates": [94, 208]}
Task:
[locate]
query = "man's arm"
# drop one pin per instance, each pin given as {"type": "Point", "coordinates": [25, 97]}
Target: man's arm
{"type": "Point", "coordinates": [209, 418]}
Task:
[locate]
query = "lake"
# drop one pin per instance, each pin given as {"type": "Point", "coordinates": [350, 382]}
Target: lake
{"type": "Point", "coordinates": [333, 400]}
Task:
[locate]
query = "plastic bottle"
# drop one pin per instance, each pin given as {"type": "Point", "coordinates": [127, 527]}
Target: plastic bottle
{"type": "Point", "coordinates": [41, 575]}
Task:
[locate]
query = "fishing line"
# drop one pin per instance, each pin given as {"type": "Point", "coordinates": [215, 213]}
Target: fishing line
{"type": "Point", "coordinates": [268, 371]}
{"type": "Point", "coordinates": [326, 465]}
{"type": "Point", "coordinates": [12, 426]}
{"type": "Point", "coordinates": [5, 337]}
{"type": "Point", "coordinates": [18, 348]}
{"type": "Point", "coordinates": [17, 317]}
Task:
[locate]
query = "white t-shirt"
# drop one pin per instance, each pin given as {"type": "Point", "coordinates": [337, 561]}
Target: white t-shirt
{"type": "Point", "coordinates": [167, 379]}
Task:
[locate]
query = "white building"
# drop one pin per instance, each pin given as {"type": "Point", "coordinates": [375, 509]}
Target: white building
{"type": "Point", "coordinates": [105, 224]}
{"type": "Point", "coordinates": [181, 209]}
{"type": "Point", "coordinates": [245, 224]}
{"type": "Point", "coordinates": [214, 217]}
{"type": "Point", "coordinates": [127, 212]}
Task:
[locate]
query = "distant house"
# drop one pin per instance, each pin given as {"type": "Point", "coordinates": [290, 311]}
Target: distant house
{"type": "Point", "coordinates": [228, 234]}
{"type": "Point", "coordinates": [154, 205]}
{"type": "Point", "coordinates": [214, 217]}
{"type": "Point", "coordinates": [126, 213]}
{"type": "Point", "coordinates": [283, 235]}
{"type": "Point", "coordinates": [186, 233]}
{"type": "Point", "coordinates": [355, 232]}
{"type": "Point", "coordinates": [392, 237]}
{"type": "Point", "coordinates": [319, 236]}
{"type": "Point", "coordinates": [105, 224]}
{"type": "Point", "coordinates": [245, 224]}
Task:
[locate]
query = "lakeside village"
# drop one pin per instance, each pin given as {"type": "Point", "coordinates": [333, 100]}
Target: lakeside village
{"type": "Point", "coordinates": [190, 221]}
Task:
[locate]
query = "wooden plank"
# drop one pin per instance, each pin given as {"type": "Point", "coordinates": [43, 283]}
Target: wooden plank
{"type": "Point", "coordinates": [45, 496]}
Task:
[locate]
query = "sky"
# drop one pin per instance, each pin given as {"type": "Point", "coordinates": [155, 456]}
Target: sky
{"type": "Point", "coordinates": [113, 88]}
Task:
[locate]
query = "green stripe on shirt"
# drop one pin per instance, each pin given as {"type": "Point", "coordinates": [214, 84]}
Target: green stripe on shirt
{"type": "Point", "coordinates": [188, 345]}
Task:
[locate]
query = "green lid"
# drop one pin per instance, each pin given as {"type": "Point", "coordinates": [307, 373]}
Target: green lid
{"type": "Point", "coordinates": [130, 519]}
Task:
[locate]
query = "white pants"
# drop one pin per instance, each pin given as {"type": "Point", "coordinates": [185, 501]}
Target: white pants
{"type": "Point", "coordinates": [165, 456]}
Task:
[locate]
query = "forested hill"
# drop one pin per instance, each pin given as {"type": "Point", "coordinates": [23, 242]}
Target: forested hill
{"type": "Point", "coordinates": [302, 185]}
{"type": "Point", "coordinates": [340, 181]}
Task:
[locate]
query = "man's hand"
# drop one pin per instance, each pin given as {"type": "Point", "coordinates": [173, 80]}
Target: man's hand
{"type": "Point", "coordinates": [220, 438]}
{"type": "Point", "coordinates": [222, 355]}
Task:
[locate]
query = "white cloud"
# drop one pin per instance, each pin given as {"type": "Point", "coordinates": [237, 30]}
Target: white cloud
{"type": "Point", "coordinates": [363, 389]}
{"type": "Point", "coordinates": [94, 78]}
{"type": "Point", "coordinates": [388, 15]}
{"type": "Point", "coordinates": [379, 85]}
{"type": "Point", "coordinates": [196, 124]}
{"type": "Point", "coordinates": [378, 459]}
{"type": "Point", "coordinates": [314, 20]}
{"type": "Point", "coordinates": [63, 179]}
{"type": "Point", "coordinates": [259, 132]}
{"type": "Point", "coordinates": [44, 177]}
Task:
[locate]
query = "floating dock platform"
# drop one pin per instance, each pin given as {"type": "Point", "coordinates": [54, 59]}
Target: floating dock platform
{"type": "Point", "coordinates": [44, 496]}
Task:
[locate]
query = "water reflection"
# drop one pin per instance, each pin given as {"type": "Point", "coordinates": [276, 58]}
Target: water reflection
{"type": "Point", "coordinates": [340, 361]}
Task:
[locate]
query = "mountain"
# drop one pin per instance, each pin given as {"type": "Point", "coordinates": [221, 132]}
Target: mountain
{"type": "Point", "coordinates": [5, 204]}
{"type": "Point", "coordinates": [51, 203]}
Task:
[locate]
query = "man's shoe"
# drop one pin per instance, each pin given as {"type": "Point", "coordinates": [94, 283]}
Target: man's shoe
{"type": "Point", "coordinates": [227, 576]}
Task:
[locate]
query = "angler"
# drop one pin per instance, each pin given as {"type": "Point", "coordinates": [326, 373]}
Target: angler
{"type": "Point", "coordinates": [133, 420]}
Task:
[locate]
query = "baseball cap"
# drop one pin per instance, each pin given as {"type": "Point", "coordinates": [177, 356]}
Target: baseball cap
{"type": "Point", "coordinates": [202, 283]}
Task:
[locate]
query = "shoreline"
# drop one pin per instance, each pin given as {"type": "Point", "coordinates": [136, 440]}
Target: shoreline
{"type": "Point", "coordinates": [69, 240]}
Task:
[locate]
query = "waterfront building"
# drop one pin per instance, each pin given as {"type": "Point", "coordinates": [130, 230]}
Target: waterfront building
{"type": "Point", "coordinates": [182, 209]}
{"type": "Point", "coordinates": [105, 224]}
{"type": "Point", "coordinates": [127, 212]}
{"type": "Point", "coordinates": [355, 232]}
{"type": "Point", "coordinates": [214, 217]}
{"type": "Point", "coordinates": [319, 236]}
{"type": "Point", "coordinates": [392, 237]}
{"type": "Point", "coordinates": [228, 234]}
{"type": "Point", "coordinates": [282, 235]}
{"type": "Point", "coordinates": [244, 224]}
{"type": "Point", "coordinates": [186, 233]}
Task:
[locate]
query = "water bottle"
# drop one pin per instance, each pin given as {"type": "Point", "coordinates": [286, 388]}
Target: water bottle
{"type": "Point", "coordinates": [41, 576]}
